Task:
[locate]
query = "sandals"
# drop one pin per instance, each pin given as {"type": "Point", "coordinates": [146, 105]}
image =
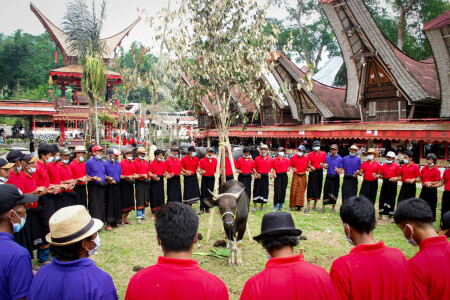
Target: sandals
{"type": "Point", "coordinates": [108, 228]}
{"type": "Point", "coordinates": [200, 212]}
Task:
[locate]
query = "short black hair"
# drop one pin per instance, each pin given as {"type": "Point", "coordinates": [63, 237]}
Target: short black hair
{"type": "Point", "coordinates": [415, 210]}
{"type": "Point", "coordinates": [358, 212]}
{"type": "Point", "coordinates": [44, 150]}
{"type": "Point", "coordinates": [68, 252]}
{"type": "Point", "coordinates": [274, 243]}
{"type": "Point", "coordinates": [158, 152]}
{"type": "Point", "coordinates": [133, 144]}
{"type": "Point", "coordinates": [409, 153]}
{"type": "Point", "coordinates": [246, 149]}
{"type": "Point", "coordinates": [432, 156]}
{"type": "Point", "coordinates": [55, 148]}
{"type": "Point", "coordinates": [176, 225]}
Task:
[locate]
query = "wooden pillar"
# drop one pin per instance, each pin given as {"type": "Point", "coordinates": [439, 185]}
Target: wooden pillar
{"type": "Point", "coordinates": [62, 126]}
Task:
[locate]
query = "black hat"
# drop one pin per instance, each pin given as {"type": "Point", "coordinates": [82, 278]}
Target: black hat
{"type": "Point", "coordinates": [316, 143]}
{"type": "Point", "coordinates": [14, 155]}
{"type": "Point", "coordinates": [445, 223]}
{"type": "Point", "coordinates": [209, 150]}
{"type": "Point", "coordinates": [29, 159]}
{"type": "Point", "coordinates": [5, 165]}
{"type": "Point", "coordinates": [277, 224]}
{"type": "Point", "coordinates": [191, 148]}
{"type": "Point", "coordinates": [12, 196]}
{"type": "Point", "coordinates": [174, 148]}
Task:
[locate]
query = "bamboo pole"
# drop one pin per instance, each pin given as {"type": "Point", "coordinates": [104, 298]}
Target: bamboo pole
{"type": "Point", "coordinates": [216, 181]}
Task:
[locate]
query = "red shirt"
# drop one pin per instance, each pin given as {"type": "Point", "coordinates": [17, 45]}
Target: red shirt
{"type": "Point", "coordinates": [208, 166]}
{"type": "Point", "coordinates": [280, 165]}
{"type": "Point", "coordinates": [300, 163]}
{"type": "Point", "coordinates": [16, 180]}
{"type": "Point", "coordinates": [53, 172]}
{"type": "Point", "coordinates": [140, 167]}
{"type": "Point", "coordinates": [127, 167]}
{"type": "Point", "coordinates": [369, 169]}
{"type": "Point", "coordinates": [157, 167]}
{"type": "Point", "coordinates": [390, 170]}
{"type": "Point", "coordinates": [78, 170]}
{"type": "Point", "coordinates": [65, 173]}
{"type": "Point", "coordinates": [228, 170]}
{"type": "Point", "coordinates": [289, 278]}
{"type": "Point", "coordinates": [29, 186]}
{"type": "Point", "coordinates": [263, 164]}
{"type": "Point", "coordinates": [410, 172]}
{"type": "Point", "coordinates": [41, 176]}
{"type": "Point", "coordinates": [430, 269]}
{"type": "Point", "coordinates": [428, 174]}
{"type": "Point", "coordinates": [317, 159]}
{"type": "Point", "coordinates": [173, 165]}
{"type": "Point", "coordinates": [245, 165]}
{"type": "Point", "coordinates": [175, 279]}
{"type": "Point", "coordinates": [190, 164]}
{"type": "Point", "coordinates": [372, 272]}
{"type": "Point", "coordinates": [446, 178]}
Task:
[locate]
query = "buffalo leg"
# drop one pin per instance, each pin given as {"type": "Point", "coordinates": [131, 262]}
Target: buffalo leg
{"type": "Point", "coordinates": [240, 236]}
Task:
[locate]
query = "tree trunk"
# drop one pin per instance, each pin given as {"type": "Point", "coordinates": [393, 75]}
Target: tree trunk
{"type": "Point", "coordinates": [401, 28]}
{"type": "Point", "coordinates": [91, 132]}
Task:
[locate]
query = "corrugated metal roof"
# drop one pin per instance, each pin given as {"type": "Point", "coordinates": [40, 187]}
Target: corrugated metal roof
{"type": "Point", "coordinates": [438, 22]}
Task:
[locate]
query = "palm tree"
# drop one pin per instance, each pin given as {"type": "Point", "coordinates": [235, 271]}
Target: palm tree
{"type": "Point", "coordinates": [83, 27]}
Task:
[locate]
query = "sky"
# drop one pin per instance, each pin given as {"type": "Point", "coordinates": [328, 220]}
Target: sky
{"type": "Point", "coordinates": [16, 14]}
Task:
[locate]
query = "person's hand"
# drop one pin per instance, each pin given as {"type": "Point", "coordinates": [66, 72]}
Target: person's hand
{"type": "Point", "coordinates": [131, 177]}
{"type": "Point", "coordinates": [113, 181]}
{"type": "Point", "coordinates": [189, 172]}
{"type": "Point", "coordinates": [325, 166]}
{"type": "Point", "coordinates": [312, 168]}
{"type": "Point", "coordinates": [294, 170]}
{"type": "Point", "coordinates": [412, 180]}
{"type": "Point", "coordinates": [393, 179]}
{"type": "Point", "coordinates": [157, 178]}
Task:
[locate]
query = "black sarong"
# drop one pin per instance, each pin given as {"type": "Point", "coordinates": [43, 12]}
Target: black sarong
{"type": "Point", "coordinates": [388, 194]}
{"type": "Point", "coordinates": [157, 193]}
{"type": "Point", "coordinates": [315, 181]}
{"type": "Point", "coordinates": [349, 187]}
{"type": "Point", "coordinates": [280, 186]}
{"type": "Point", "coordinates": [127, 193]}
{"type": "Point", "coordinates": [174, 189]}
{"type": "Point", "coordinates": [59, 200]}
{"type": "Point", "coordinates": [44, 210]}
{"type": "Point", "coordinates": [80, 195]}
{"type": "Point", "coordinates": [207, 184]}
{"type": "Point", "coordinates": [142, 194]}
{"type": "Point", "coordinates": [191, 189]}
{"type": "Point", "coordinates": [407, 191]}
{"type": "Point", "coordinates": [445, 203]}
{"type": "Point", "coordinates": [227, 178]}
{"type": "Point", "coordinates": [113, 204]}
{"type": "Point", "coordinates": [65, 199]}
{"type": "Point", "coordinates": [430, 196]}
{"type": "Point", "coordinates": [261, 189]}
{"type": "Point", "coordinates": [96, 203]}
{"type": "Point", "coordinates": [24, 237]}
{"type": "Point", "coordinates": [369, 189]}
{"type": "Point", "coordinates": [246, 180]}
{"type": "Point", "coordinates": [331, 189]}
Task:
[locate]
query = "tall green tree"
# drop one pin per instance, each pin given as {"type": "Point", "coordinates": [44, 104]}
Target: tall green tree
{"type": "Point", "coordinates": [83, 27]}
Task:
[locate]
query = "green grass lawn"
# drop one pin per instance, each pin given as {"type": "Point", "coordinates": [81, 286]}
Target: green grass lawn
{"type": "Point", "coordinates": [135, 245]}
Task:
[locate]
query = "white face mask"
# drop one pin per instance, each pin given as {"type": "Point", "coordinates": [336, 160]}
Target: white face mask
{"type": "Point", "coordinates": [406, 161]}
{"type": "Point", "coordinates": [97, 244]}
{"type": "Point", "coordinates": [81, 158]}
{"type": "Point", "coordinates": [389, 161]}
{"type": "Point", "coordinates": [3, 179]}
{"type": "Point", "coordinates": [130, 157]}
{"type": "Point", "coordinates": [246, 156]}
{"type": "Point", "coordinates": [194, 154]}
{"type": "Point", "coordinates": [352, 154]}
{"type": "Point", "coordinates": [18, 226]}
{"type": "Point", "coordinates": [32, 170]}
{"type": "Point", "coordinates": [209, 156]}
{"type": "Point", "coordinates": [19, 168]}
{"type": "Point", "coordinates": [141, 157]}
{"type": "Point", "coordinates": [112, 159]}
{"type": "Point", "coordinates": [174, 155]}
{"type": "Point", "coordinates": [281, 154]}
{"type": "Point", "coordinates": [66, 161]}
{"type": "Point", "coordinates": [431, 165]}
{"type": "Point", "coordinates": [369, 157]}
{"type": "Point", "coordinates": [57, 158]}
{"type": "Point", "coordinates": [263, 154]}
{"type": "Point", "coordinates": [49, 160]}
{"type": "Point", "coordinates": [160, 159]}
{"type": "Point", "coordinates": [300, 154]}
{"type": "Point", "coordinates": [317, 148]}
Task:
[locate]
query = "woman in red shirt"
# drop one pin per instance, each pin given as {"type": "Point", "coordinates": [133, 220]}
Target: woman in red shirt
{"type": "Point", "coordinates": [370, 170]}
{"type": "Point", "coordinates": [430, 175]}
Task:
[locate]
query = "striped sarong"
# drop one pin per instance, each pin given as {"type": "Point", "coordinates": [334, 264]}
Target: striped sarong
{"type": "Point", "coordinates": [298, 187]}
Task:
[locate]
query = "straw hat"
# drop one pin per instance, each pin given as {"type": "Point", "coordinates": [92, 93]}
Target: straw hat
{"type": "Point", "coordinates": [373, 151]}
{"type": "Point", "coordinates": [80, 149]}
{"type": "Point", "coordinates": [353, 147]}
{"type": "Point", "coordinates": [264, 146]}
{"type": "Point", "coordinates": [141, 150]}
{"type": "Point", "coordinates": [71, 224]}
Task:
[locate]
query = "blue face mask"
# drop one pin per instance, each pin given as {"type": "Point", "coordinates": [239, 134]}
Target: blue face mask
{"type": "Point", "coordinates": [19, 169]}
{"type": "Point", "coordinates": [18, 226]}
{"type": "Point", "coordinates": [194, 154]}
{"type": "Point", "coordinates": [81, 158]}
{"type": "Point", "coordinates": [160, 159]}
{"type": "Point", "coordinates": [406, 161]}
{"type": "Point", "coordinates": [99, 157]}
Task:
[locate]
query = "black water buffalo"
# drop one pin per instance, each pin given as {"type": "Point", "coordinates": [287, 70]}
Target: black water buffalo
{"type": "Point", "coordinates": [233, 207]}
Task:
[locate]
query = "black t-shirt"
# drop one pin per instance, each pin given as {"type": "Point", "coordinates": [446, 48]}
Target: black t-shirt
{"type": "Point", "coordinates": [31, 147]}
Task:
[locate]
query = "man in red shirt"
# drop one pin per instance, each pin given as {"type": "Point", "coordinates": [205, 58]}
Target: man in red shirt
{"type": "Point", "coordinates": [445, 225]}
{"type": "Point", "coordinates": [445, 181]}
{"type": "Point", "coordinates": [142, 184]}
{"type": "Point", "coordinates": [430, 267]}
{"type": "Point", "coordinates": [228, 168]}
{"type": "Point", "coordinates": [316, 161]}
{"type": "Point", "coordinates": [244, 168]}
{"type": "Point", "coordinates": [190, 166]}
{"type": "Point", "coordinates": [286, 276]}
{"type": "Point", "coordinates": [208, 166]}
{"type": "Point", "coordinates": [280, 166]}
{"type": "Point", "coordinates": [173, 175]}
{"type": "Point", "coordinates": [409, 175]}
{"type": "Point", "coordinates": [14, 157]}
{"type": "Point", "coordinates": [262, 166]}
{"type": "Point", "coordinates": [371, 270]}
{"type": "Point", "coordinates": [389, 172]}
{"type": "Point", "coordinates": [370, 170]}
{"type": "Point", "coordinates": [66, 177]}
{"type": "Point", "coordinates": [127, 184]}
{"type": "Point", "coordinates": [78, 169]}
{"type": "Point", "coordinates": [5, 167]}
{"type": "Point", "coordinates": [176, 276]}
{"type": "Point", "coordinates": [157, 171]}
{"type": "Point", "coordinates": [299, 165]}
{"type": "Point", "coordinates": [431, 176]}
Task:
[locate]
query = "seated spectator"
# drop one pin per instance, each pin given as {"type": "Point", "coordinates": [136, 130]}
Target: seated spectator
{"type": "Point", "coordinates": [430, 267]}
{"type": "Point", "coordinates": [16, 272]}
{"type": "Point", "coordinates": [445, 225]}
{"type": "Point", "coordinates": [371, 270]}
{"type": "Point", "coordinates": [176, 275]}
{"type": "Point", "coordinates": [73, 238]}
{"type": "Point", "coordinates": [286, 276]}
